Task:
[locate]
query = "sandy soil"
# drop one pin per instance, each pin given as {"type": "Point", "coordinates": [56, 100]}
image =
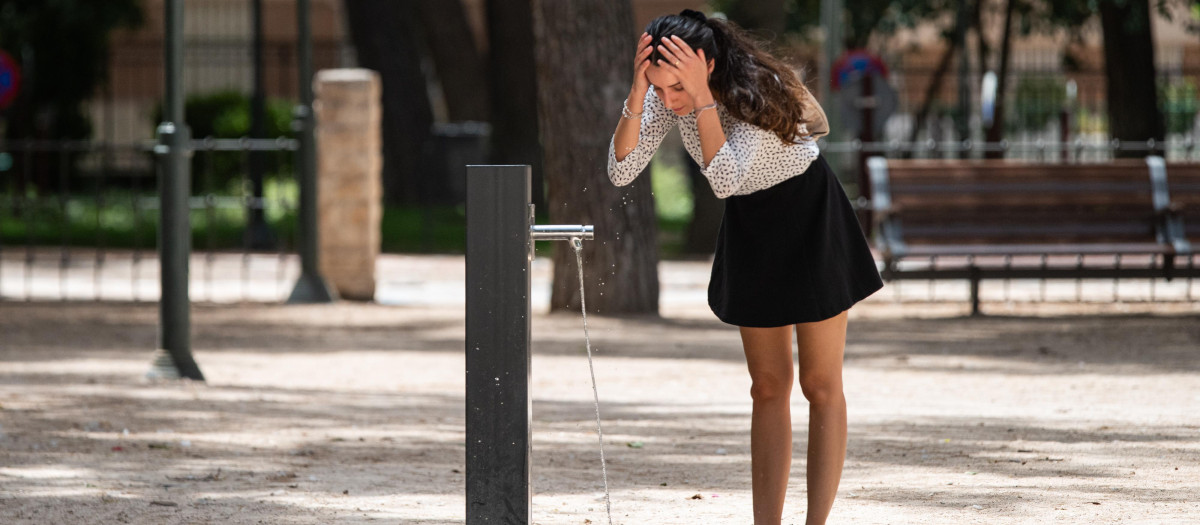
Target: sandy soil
{"type": "Point", "coordinates": [353, 413]}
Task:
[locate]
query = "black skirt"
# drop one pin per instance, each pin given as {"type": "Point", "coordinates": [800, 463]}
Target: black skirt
{"type": "Point", "coordinates": [792, 253]}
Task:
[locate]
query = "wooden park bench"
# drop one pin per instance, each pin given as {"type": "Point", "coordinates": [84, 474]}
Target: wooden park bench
{"type": "Point", "coordinates": [986, 219]}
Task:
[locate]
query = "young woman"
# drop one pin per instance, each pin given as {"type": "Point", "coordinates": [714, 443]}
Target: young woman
{"type": "Point", "coordinates": [790, 253]}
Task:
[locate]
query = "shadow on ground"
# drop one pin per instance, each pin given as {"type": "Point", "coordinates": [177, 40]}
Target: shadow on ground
{"type": "Point", "coordinates": [316, 455]}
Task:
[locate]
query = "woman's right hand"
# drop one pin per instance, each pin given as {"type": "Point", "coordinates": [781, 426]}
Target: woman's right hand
{"type": "Point", "coordinates": [641, 62]}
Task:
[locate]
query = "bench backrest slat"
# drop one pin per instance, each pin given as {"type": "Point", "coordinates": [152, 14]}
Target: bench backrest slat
{"type": "Point", "coordinates": [994, 202]}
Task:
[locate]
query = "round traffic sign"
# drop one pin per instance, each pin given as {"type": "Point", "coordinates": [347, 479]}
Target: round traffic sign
{"type": "Point", "coordinates": [10, 79]}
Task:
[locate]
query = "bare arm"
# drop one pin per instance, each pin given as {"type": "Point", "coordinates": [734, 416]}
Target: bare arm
{"type": "Point", "coordinates": [625, 138]}
{"type": "Point", "coordinates": [708, 123]}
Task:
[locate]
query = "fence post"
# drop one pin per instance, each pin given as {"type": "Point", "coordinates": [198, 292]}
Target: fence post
{"type": "Point", "coordinates": [311, 286]}
{"type": "Point", "coordinates": [350, 158]}
{"type": "Point", "coordinates": [174, 229]}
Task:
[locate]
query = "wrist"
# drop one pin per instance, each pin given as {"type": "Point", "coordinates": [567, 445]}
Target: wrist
{"type": "Point", "coordinates": [628, 112]}
{"type": "Point", "coordinates": [703, 98]}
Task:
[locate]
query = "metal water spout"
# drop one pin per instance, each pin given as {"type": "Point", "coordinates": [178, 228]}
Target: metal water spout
{"type": "Point", "coordinates": [561, 232]}
{"type": "Point", "coordinates": [575, 233]}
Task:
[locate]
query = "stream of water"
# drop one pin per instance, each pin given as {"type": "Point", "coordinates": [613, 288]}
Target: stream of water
{"type": "Point", "coordinates": [577, 243]}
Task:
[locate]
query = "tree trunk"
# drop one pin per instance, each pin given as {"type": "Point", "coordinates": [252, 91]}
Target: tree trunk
{"type": "Point", "coordinates": [983, 50]}
{"type": "Point", "coordinates": [459, 65]}
{"type": "Point", "coordinates": [1129, 72]}
{"type": "Point", "coordinates": [512, 83]}
{"type": "Point", "coordinates": [935, 85]}
{"type": "Point", "coordinates": [995, 133]}
{"type": "Point", "coordinates": [585, 63]}
{"type": "Point", "coordinates": [383, 38]}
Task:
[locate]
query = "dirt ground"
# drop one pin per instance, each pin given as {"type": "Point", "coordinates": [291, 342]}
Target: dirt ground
{"type": "Point", "coordinates": [353, 413]}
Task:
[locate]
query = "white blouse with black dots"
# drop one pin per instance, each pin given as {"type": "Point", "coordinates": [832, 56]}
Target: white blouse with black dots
{"type": "Point", "coordinates": [751, 159]}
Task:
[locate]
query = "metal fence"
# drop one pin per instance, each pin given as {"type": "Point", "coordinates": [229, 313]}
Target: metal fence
{"type": "Point", "coordinates": [90, 232]}
{"type": "Point", "coordinates": [78, 220]}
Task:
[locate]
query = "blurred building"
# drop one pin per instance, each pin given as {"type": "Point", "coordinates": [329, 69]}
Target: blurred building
{"type": "Point", "coordinates": [219, 36]}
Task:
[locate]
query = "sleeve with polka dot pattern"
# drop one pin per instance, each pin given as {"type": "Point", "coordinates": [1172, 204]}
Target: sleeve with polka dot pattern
{"type": "Point", "coordinates": [753, 158]}
{"type": "Point", "coordinates": [656, 121]}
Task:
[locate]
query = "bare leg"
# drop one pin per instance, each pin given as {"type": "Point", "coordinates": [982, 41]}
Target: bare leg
{"type": "Point", "coordinates": [769, 357]}
{"type": "Point", "coordinates": [821, 348]}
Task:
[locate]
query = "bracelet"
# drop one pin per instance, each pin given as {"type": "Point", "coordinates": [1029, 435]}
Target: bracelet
{"type": "Point", "coordinates": [702, 108]}
{"type": "Point", "coordinates": [626, 113]}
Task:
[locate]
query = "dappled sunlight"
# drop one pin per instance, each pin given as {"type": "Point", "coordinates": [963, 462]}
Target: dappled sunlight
{"type": "Point", "coordinates": [998, 419]}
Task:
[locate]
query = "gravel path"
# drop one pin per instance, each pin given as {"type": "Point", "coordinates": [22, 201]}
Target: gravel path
{"type": "Point", "coordinates": [353, 413]}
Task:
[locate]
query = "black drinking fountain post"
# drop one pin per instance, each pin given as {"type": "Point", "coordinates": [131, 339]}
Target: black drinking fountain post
{"type": "Point", "coordinates": [500, 237]}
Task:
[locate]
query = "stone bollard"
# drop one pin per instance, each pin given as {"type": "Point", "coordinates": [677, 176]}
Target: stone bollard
{"type": "Point", "coordinates": [350, 192]}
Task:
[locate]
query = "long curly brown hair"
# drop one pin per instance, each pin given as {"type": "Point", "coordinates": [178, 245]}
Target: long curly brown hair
{"type": "Point", "coordinates": [753, 85]}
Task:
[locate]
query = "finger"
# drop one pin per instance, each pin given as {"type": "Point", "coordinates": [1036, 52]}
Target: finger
{"type": "Point", "coordinates": [644, 41]}
{"type": "Point", "coordinates": [685, 49]}
{"type": "Point", "coordinates": [673, 46]}
{"type": "Point", "coordinates": [667, 54]}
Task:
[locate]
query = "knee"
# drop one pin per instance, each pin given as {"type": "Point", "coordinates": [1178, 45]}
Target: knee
{"type": "Point", "coordinates": [821, 389]}
{"type": "Point", "coordinates": [770, 387]}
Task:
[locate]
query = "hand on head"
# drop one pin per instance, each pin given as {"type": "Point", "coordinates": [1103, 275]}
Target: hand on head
{"type": "Point", "coordinates": [680, 76]}
{"type": "Point", "coordinates": [641, 62]}
{"type": "Point", "coordinates": [690, 67]}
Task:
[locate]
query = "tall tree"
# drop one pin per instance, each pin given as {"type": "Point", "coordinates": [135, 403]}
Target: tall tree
{"type": "Point", "coordinates": [512, 84]}
{"type": "Point", "coordinates": [996, 131]}
{"type": "Point", "coordinates": [585, 65]}
{"type": "Point", "coordinates": [384, 39]}
{"type": "Point", "coordinates": [1130, 77]}
{"type": "Point", "coordinates": [458, 62]}
{"type": "Point", "coordinates": [1132, 91]}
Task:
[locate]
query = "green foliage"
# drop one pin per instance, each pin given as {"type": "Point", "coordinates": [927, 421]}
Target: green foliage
{"type": "Point", "coordinates": [672, 196]}
{"type": "Point", "coordinates": [673, 204]}
{"type": "Point", "coordinates": [1038, 101]}
{"type": "Point", "coordinates": [125, 219]}
{"type": "Point", "coordinates": [226, 115]}
{"type": "Point", "coordinates": [1179, 101]}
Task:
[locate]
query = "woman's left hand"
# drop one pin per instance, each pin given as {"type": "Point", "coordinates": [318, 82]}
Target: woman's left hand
{"type": "Point", "coordinates": [690, 66]}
